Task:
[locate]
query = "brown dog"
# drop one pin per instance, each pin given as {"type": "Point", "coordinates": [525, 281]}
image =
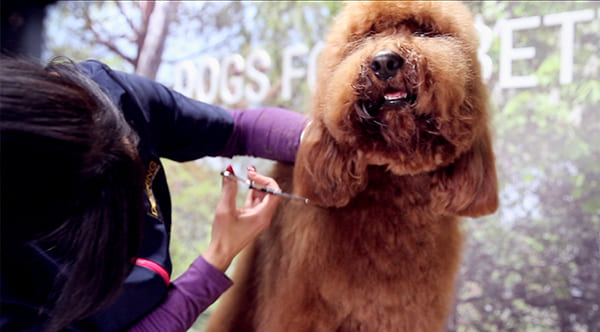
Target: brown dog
{"type": "Point", "coordinates": [398, 149]}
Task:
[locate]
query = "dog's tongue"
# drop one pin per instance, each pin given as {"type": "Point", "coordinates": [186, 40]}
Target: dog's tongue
{"type": "Point", "coordinates": [395, 95]}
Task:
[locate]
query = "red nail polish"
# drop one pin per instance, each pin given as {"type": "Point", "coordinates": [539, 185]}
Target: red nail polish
{"type": "Point", "coordinates": [230, 169]}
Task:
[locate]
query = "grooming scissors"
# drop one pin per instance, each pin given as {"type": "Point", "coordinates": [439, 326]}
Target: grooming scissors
{"type": "Point", "coordinates": [265, 189]}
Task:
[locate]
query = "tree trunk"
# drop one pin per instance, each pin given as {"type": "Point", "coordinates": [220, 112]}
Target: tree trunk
{"type": "Point", "coordinates": [150, 55]}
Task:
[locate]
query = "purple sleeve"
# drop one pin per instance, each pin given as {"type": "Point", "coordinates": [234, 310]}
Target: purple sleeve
{"type": "Point", "coordinates": [189, 295]}
{"type": "Point", "coordinates": [270, 133]}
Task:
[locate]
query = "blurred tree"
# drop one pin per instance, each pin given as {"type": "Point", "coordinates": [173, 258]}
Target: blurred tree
{"type": "Point", "coordinates": [295, 23]}
{"type": "Point", "coordinates": [147, 28]}
{"type": "Point", "coordinates": [152, 34]}
{"type": "Point", "coordinates": [133, 32]}
{"type": "Point", "coordinates": [535, 265]}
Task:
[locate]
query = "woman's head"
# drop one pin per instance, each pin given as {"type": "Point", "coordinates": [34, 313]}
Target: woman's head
{"type": "Point", "coordinates": [71, 180]}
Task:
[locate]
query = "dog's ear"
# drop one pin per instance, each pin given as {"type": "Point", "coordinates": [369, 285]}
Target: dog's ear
{"type": "Point", "coordinates": [469, 186]}
{"type": "Point", "coordinates": [327, 173]}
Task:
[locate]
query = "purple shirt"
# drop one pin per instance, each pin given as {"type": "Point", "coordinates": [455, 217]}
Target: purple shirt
{"type": "Point", "coordinates": [189, 295]}
{"type": "Point", "coordinates": [183, 129]}
{"type": "Point", "coordinates": [270, 133]}
{"type": "Point", "coordinates": [266, 133]}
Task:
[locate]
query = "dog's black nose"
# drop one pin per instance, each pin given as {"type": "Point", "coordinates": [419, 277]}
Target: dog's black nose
{"type": "Point", "coordinates": [386, 64]}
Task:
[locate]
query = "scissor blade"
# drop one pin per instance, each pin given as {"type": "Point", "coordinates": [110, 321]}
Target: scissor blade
{"type": "Point", "coordinates": [265, 189]}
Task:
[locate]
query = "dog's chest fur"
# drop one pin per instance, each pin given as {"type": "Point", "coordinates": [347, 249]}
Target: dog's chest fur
{"type": "Point", "coordinates": [375, 250]}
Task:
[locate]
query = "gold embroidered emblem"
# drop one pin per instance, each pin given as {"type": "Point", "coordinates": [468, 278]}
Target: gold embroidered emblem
{"type": "Point", "coordinates": [153, 169]}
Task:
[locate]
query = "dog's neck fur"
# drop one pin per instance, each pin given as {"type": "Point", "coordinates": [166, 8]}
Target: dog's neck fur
{"type": "Point", "coordinates": [385, 190]}
{"type": "Point", "coordinates": [400, 190]}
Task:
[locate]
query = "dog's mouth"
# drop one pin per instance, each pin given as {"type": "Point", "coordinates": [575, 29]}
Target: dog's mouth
{"type": "Point", "coordinates": [392, 99]}
{"type": "Point", "coordinates": [398, 99]}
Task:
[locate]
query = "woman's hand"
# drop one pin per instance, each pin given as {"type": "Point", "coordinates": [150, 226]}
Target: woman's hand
{"type": "Point", "coordinates": [234, 229]}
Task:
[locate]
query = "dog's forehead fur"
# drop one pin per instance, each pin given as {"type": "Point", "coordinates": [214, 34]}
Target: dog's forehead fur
{"type": "Point", "coordinates": [361, 19]}
{"type": "Point", "coordinates": [446, 17]}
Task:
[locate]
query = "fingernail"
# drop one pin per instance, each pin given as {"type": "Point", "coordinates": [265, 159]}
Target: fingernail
{"type": "Point", "coordinates": [252, 168]}
{"type": "Point", "coordinates": [230, 169]}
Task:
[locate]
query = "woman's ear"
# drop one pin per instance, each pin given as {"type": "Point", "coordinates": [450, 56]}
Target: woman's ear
{"type": "Point", "coordinates": [326, 172]}
{"type": "Point", "coordinates": [469, 186]}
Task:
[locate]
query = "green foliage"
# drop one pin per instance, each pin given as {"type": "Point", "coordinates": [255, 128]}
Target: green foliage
{"type": "Point", "coordinates": [195, 192]}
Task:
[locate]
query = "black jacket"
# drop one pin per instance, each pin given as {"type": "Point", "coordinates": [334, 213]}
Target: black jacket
{"type": "Point", "coordinates": [170, 126]}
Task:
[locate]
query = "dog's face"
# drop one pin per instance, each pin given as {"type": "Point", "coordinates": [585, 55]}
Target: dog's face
{"type": "Point", "coordinates": [399, 86]}
{"type": "Point", "coordinates": [403, 76]}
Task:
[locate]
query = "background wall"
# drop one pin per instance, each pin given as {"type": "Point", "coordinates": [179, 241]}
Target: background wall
{"type": "Point", "coordinates": [532, 266]}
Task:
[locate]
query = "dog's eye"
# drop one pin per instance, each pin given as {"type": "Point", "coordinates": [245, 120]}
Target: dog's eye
{"type": "Point", "coordinates": [424, 31]}
{"type": "Point", "coordinates": [419, 29]}
{"type": "Point", "coordinates": [421, 32]}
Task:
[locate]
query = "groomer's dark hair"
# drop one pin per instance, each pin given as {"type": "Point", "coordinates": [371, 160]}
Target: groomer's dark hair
{"type": "Point", "coordinates": [71, 183]}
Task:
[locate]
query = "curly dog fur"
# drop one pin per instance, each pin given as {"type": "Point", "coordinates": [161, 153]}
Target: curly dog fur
{"type": "Point", "coordinates": [398, 149]}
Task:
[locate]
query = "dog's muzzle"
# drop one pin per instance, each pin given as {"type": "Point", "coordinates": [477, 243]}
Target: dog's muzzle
{"type": "Point", "coordinates": [387, 88]}
{"type": "Point", "coordinates": [385, 85]}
